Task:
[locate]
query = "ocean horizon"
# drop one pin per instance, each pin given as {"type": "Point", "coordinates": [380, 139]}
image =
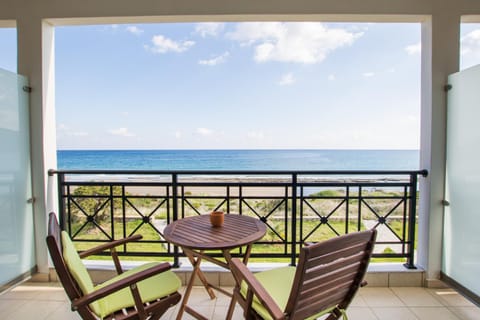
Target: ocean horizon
{"type": "Point", "coordinates": [241, 159]}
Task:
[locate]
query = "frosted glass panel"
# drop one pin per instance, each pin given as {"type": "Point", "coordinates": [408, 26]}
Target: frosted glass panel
{"type": "Point", "coordinates": [16, 220]}
{"type": "Point", "coordinates": [461, 258]}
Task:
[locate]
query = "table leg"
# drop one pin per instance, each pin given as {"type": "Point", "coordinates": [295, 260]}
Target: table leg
{"type": "Point", "coordinates": [195, 261]}
{"type": "Point", "coordinates": [186, 295]}
{"type": "Point", "coordinates": [188, 290]}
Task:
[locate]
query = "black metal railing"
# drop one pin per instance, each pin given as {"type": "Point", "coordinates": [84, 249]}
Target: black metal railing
{"type": "Point", "coordinates": [297, 207]}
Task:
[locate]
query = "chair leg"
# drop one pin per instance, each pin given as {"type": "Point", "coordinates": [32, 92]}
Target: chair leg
{"type": "Point", "coordinates": [155, 316]}
{"type": "Point", "coordinates": [231, 308]}
{"type": "Point", "coordinates": [334, 316]}
{"type": "Point", "coordinates": [164, 305]}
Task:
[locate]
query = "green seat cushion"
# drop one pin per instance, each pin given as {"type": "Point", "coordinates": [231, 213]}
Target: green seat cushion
{"type": "Point", "coordinates": [150, 289]}
{"type": "Point", "coordinates": [155, 287]}
{"type": "Point", "coordinates": [278, 283]}
{"type": "Point", "coordinates": [77, 268]}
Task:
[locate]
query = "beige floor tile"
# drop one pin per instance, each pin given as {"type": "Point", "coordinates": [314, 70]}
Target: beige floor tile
{"type": "Point", "coordinates": [223, 300]}
{"type": "Point", "coordinates": [450, 297]}
{"type": "Point", "coordinates": [23, 292]}
{"type": "Point", "coordinates": [212, 277]}
{"type": "Point", "coordinates": [361, 313]}
{"type": "Point", "coordinates": [37, 291]}
{"type": "Point", "coordinates": [433, 313]}
{"type": "Point", "coordinates": [171, 313]}
{"type": "Point", "coordinates": [394, 313]}
{"type": "Point", "coordinates": [199, 296]}
{"type": "Point", "coordinates": [466, 313]}
{"type": "Point", "coordinates": [405, 279]}
{"type": "Point", "coordinates": [63, 313]}
{"type": "Point", "coordinates": [35, 309]}
{"type": "Point", "coordinates": [377, 279]}
{"type": "Point", "coordinates": [221, 312]}
{"type": "Point", "coordinates": [226, 279]}
{"type": "Point", "coordinates": [8, 306]}
{"type": "Point", "coordinates": [380, 297]}
{"type": "Point", "coordinates": [416, 297]}
{"type": "Point", "coordinates": [358, 301]}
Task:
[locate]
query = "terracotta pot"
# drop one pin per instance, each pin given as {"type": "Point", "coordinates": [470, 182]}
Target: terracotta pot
{"type": "Point", "coordinates": [216, 218]}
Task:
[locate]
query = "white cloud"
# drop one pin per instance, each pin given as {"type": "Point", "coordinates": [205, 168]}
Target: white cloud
{"type": "Point", "coordinates": [414, 48]}
{"type": "Point", "coordinates": [204, 131]}
{"type": "Point", "coordinates": [178, 134]}
{"type": "Point", "coordinates": [256, 135]}
{"type": "Point", "coordinates": [306, 42]}
{"type": "Point", "coordinates": [121, 132]}
{"type": "Point", "coordinates": [471, 43]}
{"type": "Point", "coordinates": [134, 30]}
{"type": "Point", "coordinates": [205, 29]}
{"type": "Point", "coordinates": [124, 113]}
{"type": "Point", "coordinates": [63, 129]}
{"type": "Point", "coordinates": [368, 74]}
{"type": "Point", "coordinates": [163, 44]}
{"type": "Point", "coordinates": [214, 61]}
{"type": "Point", "coordinates": [287, 79]}
{"type": "Point", "coordinates": [331, 77]}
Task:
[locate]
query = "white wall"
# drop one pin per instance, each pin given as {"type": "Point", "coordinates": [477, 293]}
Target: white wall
{"type": "Point", "coordinates": [440, 55]}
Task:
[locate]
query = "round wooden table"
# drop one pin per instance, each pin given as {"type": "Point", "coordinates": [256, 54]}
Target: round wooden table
{"type": "Point", "coordinates": [195, 235]}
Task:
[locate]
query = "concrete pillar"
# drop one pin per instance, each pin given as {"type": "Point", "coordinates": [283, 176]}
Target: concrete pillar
{"type": "Point", "coordinates": [440, 57]}
{"type": "Point", "coordinates": [36, 61]}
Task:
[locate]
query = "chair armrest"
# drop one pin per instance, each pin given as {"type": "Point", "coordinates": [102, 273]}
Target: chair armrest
{"type": "Point", "coordinates": [108, 246]}
{"type": "Point", "coordinates": [120, 284]}
{"type": "Point", "coordinates": [243, 274]}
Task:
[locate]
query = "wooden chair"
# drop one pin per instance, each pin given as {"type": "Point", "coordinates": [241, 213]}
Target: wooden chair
{"type": "Point", "coordinates": [324, 282]}
{"type": "Point", "coordinates": [144, 292]}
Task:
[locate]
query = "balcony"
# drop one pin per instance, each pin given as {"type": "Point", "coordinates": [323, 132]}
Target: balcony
{"type": "Point", "coordinates": [441, 25]}
{"type": "Point", "coordinates": [294, 205]}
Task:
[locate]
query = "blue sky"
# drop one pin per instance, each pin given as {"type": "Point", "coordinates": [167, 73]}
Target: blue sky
{"type": "Point", "coordinates": [239, 85]}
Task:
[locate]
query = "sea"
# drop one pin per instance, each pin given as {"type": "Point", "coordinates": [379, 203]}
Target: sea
{"type": "Point", "coordinates": [238, 160]}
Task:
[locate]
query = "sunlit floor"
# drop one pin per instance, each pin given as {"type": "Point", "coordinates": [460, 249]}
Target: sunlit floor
{"type": "Point", "coordinates": [47, 301]}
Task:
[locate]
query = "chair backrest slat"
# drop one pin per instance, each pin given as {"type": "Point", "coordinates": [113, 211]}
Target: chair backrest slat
{"type": "Point", "coordinates": [320, 257]}
{"type": "Point", "coordinates": [329, 273]}
{"type": "Point", "coordinates": [304, 310]}
{"type": "Point", "coordinates": [324, 281]}
{"type": "Point", "coordinates": [332, 268]}
{"type": "Point", "coordinates": [322, 298]}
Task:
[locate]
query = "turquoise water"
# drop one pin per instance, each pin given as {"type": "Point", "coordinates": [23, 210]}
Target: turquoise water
{"type": "Point", "coordinates": [238, 159]}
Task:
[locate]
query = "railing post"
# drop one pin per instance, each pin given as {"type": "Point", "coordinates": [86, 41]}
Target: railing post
{"type": "Point", "coordinates": [124, 215]}
{"type": "Point", "coordinates": [411, 222]}
{"type": "Point", "coordinates": [176, 253]}
{"type": "Point", "coordinates": [112, 213]}
{"type": "Point", "coordinates": [294, 219]}
{"type": "Point", "coordinates": [61, 198]}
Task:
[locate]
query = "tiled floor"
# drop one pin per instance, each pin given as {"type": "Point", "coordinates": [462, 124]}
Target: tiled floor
{"type": "Point", "coordinates": [47, 301]}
